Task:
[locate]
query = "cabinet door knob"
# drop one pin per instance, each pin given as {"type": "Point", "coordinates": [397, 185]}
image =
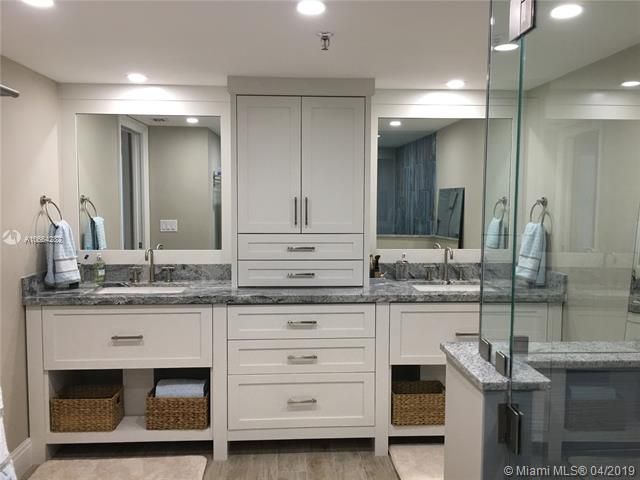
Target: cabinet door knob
{"type": "Point", "coordinates": [302, 401]}
{"type": "Point", "coordinates": [302, 358]}
{"type": "Point", "coordinates": [302, 323]}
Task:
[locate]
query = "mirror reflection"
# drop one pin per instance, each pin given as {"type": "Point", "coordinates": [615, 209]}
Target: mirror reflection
{"type": "Point", "coordinates": [148, 180]}
{"type": "Point", "coordinates": [430, 173]}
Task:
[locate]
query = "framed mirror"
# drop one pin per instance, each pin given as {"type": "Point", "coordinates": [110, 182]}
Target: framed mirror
{"type": "Point", "coordinates": [429, 183]}
{"type": "Point", "coordinates": [148, 180]}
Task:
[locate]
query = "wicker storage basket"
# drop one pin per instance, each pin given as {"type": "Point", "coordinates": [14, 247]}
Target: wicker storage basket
{"type": "Point", "coordinates": [177, 413]}
{"type": "Point", "coordinates": [417, 403]}
{"type": "Point", "coordinates": [87, 408]}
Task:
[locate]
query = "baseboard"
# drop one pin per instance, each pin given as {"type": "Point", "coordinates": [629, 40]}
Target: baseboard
{"type": "Point", "coordinates": [22, 459]}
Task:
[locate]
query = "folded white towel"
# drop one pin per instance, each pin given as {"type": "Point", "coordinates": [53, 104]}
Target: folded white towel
{"type": "Point", "coordinates": [495, 234]}
{"type": "Point", "coordinates": [180, 388]}
{"type": "Point", "coordinates": [62, 260]}
{"type": "Point", "coordinates": [532, 262]}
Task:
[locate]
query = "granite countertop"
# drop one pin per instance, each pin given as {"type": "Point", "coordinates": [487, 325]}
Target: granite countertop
{"type": "Point", "coordinates": [221, 292]}
{"type": "Point", "coordinates": [465, 358]}
{"type": "Point", "coordinates": [543, 356]}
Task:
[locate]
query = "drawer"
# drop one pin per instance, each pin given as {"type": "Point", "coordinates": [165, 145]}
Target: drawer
{"type": "Point", "coordinates": [416, 331]}
{"type": "Point", "coordinates": [301, 356]}
{"type": "Point", "coordinates": [297, 273]}
{"type": "Point", "coordinates": [127, 337]}
{"type": "Point", "coordinates": [300, 247]}
{"type": "Point", "coordinates": [257, 322]}
{"type": "Point", "coordinates": [299, 401]}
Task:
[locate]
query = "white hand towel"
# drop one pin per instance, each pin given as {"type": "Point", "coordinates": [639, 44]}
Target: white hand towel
{"type": "Point", "coordinates": [180, 388]}
{"type": "Point", "coordinates": [532, 262]}
{"type": "Point", "coordinates": [7, 471]}
{"type": "Point", "coordinates": [495, 234]}
{"type": "Point", "coordinates": [62, 260]}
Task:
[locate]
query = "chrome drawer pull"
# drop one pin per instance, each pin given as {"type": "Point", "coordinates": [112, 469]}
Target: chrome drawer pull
{"type": "Point", "coordinates": [302, 323]}
{"type": "Point", "coordinates": [467, 334]}
{"type": "Point", "coordinates": [302, 401]}
{"type": "Point", "coordinates": [118, 338]}
{"type": "Point", "coordinates": [301, 275]}
{"type": "Point", "coordinates": [301, 249]}
{"type": "Point", "coordinates": [302, 358]}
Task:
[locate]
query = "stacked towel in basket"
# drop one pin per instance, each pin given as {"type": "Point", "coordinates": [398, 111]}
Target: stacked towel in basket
{"type": "Point", "coordinates": [181, 388]}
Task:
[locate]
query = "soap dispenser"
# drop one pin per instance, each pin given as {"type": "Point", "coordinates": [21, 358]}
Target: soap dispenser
{"type": "Point", "coordinates": [100, 269]}
{"type": "Point", "coordinates": [402, 268]}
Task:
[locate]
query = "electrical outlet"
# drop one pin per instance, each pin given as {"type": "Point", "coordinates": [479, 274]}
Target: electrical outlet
{"type": "Point", "coordinates": [168, 225]}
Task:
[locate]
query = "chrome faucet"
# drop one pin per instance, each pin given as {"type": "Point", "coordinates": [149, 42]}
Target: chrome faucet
{"type": "Point", "coordinates": [448, 255]}
{"type": "Point", "coordinates": [148, 256]}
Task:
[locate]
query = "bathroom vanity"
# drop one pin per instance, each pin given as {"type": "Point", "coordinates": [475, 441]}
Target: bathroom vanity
{"type": "Point", "coordinates": [282, 363]}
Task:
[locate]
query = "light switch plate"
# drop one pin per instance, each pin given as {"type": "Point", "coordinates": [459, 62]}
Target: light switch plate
{"type": "Point", "coordinates": [168, 225]}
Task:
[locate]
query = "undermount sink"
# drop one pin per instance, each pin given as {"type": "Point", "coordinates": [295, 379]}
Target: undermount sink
{"type": "Point", "coordinates": [139, 290]}
{"type": "Point", "coordinates": [443, 287]}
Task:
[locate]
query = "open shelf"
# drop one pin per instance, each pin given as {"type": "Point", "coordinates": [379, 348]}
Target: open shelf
{"type": "Point", "coordinates": [416, 430]}
{"type": "Point", "coordinates": [131, 429]}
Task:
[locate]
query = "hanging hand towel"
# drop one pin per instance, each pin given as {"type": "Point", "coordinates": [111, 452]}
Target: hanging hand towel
{"type": "Point", "coordinates": [495, 234]}
{"type": "Point", "coordinates": [90, 240]}
{"type": "Point", "coordinates": [62, 260]}
{"type": "Point", "coordinates": [532, 262]}
{"type": "Point", "coordinates": [100, 234]}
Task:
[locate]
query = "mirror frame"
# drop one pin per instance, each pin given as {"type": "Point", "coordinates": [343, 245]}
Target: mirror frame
{"type": "Point", "coordinates": [143, 100]}
{"type": "Point", "coordinates": [462, 104]}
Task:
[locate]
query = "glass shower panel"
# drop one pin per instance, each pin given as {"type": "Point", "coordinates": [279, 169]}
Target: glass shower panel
{"type": "Point", "coordinates": [575, 221]}
{"type": "Point", "coordinates": [501, 152]}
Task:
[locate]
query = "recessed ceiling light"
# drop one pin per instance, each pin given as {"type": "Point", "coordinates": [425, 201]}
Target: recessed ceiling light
{"type": "Point", "coordinates": [137, 77]}
{"type": "Point", "coordinates": [566, 11]}
{"type": "Point", "coordinates": [455, 83]}
{"type": "Point", "coordinates": [311, 7]}
{"type": "Point", "coordinates": [631, 83]}
{"type": "Point", "coordinates": [506, 47]}
{"type": "Point", "coordinates": [395, 123]}
{"type": "Point", "coordinates": [192, 120]}
{"type": "Point", "coordinates": [39, 3]}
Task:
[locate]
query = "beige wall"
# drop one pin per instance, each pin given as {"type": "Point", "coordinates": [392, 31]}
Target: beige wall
{"type": "Point", "coordinates": [28, 168]}
{"type": "Point", "coordinates": [180, 187]}
{"type": "Point", "coordinates": [99, 172]}
{"type": "Point", "coordinates": [460, 163]}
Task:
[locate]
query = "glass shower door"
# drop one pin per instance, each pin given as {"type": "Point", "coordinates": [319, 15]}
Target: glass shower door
{"type": "Point", "coordinates": [558, 302]}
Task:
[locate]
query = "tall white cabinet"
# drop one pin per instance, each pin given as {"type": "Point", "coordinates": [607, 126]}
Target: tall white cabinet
{"type": "Point", "coordinates": [300, 197]}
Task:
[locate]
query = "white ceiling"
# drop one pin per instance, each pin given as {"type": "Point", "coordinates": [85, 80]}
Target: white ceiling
{"type": "Point", "coordinates": [212, 123]}
{"type": "Point", "coordinates": [416, 44]}
{"type": "Point", "coordinates": [410, 130]}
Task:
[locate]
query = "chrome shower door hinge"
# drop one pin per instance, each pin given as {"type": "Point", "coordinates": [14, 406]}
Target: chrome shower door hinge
{"type": "Point", "coordinates": [510, 427]}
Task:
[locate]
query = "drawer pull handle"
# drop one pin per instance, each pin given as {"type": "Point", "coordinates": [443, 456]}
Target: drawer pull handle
{"type": "Point", "coordinates": [302, 358]}
{"type": "Point", "coordinates": [301, 275]}
{"type": "Point", "coordinates": [467, 334]}
{"type": "Point", "coordinates": [120, 338]}
{"type": "Point", "coordinates": [301, 249]}
{"type": "Point", "coordinates": [302, 323]}
{"type": "Point", "coordinates": [302, 401]}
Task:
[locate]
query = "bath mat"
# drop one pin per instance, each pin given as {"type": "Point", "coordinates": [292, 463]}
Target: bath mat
{"type": "Point", "coordinates": [144, 468]}
{"type": "Point", "coordinates": [418, 462]}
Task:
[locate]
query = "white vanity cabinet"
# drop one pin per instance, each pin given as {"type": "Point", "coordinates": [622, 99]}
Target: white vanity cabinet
{"type": "Point", "coordinates": [540, 322]}
{"type": "Point", "coordinates": [301, 178]}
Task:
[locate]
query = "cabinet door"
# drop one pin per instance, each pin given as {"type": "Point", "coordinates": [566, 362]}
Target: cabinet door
{"type": "Point", "coordinates": [268, 131]}
{"type": "Point", "coordinates": [333, 165]}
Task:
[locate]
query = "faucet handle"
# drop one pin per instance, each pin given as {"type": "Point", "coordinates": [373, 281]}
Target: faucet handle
{"type": "Point", "coordinates": [134, 273]}
{"type": "Point", "coordinates": [168, 273]}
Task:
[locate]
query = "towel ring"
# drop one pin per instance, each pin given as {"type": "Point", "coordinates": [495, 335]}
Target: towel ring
{"type": "Point", "coordinates": [501, 201]}
{"type": "Point", "coordinates": [44, 203]}
{"type": "Point", "coordinates": [542, 202]}
{"type": "Point", "coordinates": [83, 201]}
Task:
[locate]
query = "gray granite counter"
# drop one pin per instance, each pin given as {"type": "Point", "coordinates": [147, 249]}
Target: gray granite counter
{"type": "Point", "coordinates": [584, 355]}
{"type": "Point", "coordinates": [221, 292]}
{"type": "Point", "coordinates": [465, 358]}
